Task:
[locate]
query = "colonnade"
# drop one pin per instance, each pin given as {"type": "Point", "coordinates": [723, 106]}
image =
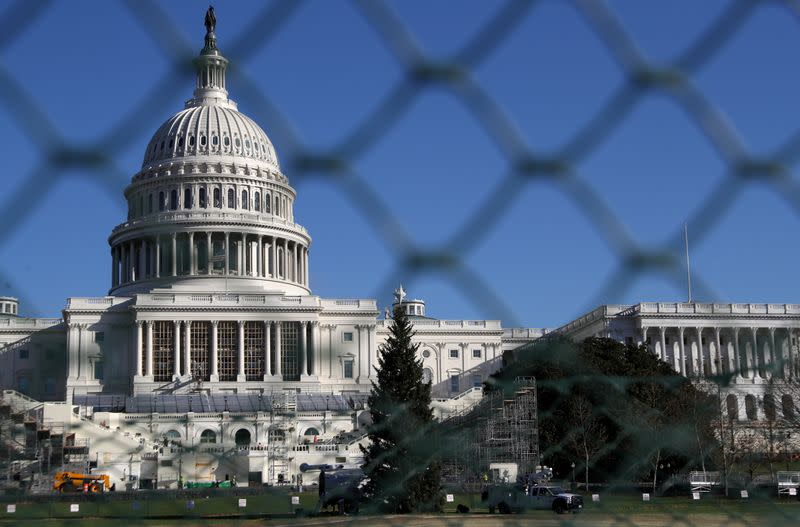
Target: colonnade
{"type": "Point", "coordinates": [264, 350]}
{"type": "Point", "coordinates": [742, 352]}
{"type": "Point", "coordinates": [198, 253]}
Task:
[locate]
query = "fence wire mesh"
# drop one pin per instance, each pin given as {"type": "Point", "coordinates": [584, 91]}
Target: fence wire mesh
{"type": "Point", "coordinates": [59, 158]}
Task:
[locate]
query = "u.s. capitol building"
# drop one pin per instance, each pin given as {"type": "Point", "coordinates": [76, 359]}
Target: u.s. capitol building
{"type": "Point", "coordinates": [210, 335]}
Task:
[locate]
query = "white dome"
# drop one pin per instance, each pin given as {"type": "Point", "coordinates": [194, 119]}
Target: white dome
{"type": "Point", "coordinates": [210, 129]}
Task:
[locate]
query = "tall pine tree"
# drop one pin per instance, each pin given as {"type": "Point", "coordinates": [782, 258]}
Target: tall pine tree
{"type": "Point", "coordinates": [401, 460]}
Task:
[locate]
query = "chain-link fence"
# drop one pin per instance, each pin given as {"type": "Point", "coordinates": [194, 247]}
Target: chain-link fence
{"type": "Point", "coordinates": [58, 158]}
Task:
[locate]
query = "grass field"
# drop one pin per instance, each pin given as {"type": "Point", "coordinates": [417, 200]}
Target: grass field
{"type": "Point", "coordinates": [278, 509]}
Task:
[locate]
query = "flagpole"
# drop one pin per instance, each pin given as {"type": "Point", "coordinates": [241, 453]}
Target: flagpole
{"type": "Point", "coordinates": [688, 268]}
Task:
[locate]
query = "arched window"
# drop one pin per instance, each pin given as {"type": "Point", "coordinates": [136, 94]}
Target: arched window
{"type": "Point", "coordinates": [733, 407]}
{"type": "Point", "coordinates": [787, 406]}
{"type": "Point", "coordinates": [242, 437]}
{"type": "Point", "coordinates": [427, 376]}
{"type": "Point", "coordinates": [208, 436]}
{"type": "Point", "coordinates": [173, 436]}
{"type": "Point", "coordinates": [750, 407]}
{"type": "Point", "coordinates": [231, 199]}
{"type": "Point", "coordinates": [769, 407]}
{"type": "Point", "coordinates": [267, 204]}
{"type": "Point", "coordinates": [280, 262]}
{"type": "Point", "coordinates": [257, 201]}
{"type": "Point", "coordinates": [245, 200]}
{"type": "Point", "coordinates": [277, 205]}
{"type": "Point", "coordinates": [162, 201]}
{"type": "Point", "coordinates": [217, 198]}
{"type": "Point", "coordinates": [173, 200]}
{"type": "Point", "coordinates": [203, 201]}
{"type": "Point", "coordinates": [311, 432]}
{"type": "Point", "coordinates": [187, 198]}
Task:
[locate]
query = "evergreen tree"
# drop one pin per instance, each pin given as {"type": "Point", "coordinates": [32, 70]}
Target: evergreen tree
{"type": "Point", "coordinates": [401, 460]}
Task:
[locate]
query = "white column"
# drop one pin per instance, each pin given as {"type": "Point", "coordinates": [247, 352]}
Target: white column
{"type": "Point", "coordinates": [138, 347]}
{"type": "Point", "coordinates": [240, 349]}
{"type": "Point", "coordinates": [134, 275]}
{"type": "Point", "coordinates": [788, 360]}
{"type": "Point", "coordinates": [286, 259]}
{"type": "Point", "coordinates": [214, 352]}
{"type": "Point", "coordinates": [697, 365]}
{"type": "Point", "coordinates": [662, 333]}
{"type": "Point", "coordinates": [187, 347]}
{"type": "Point", "coordinates": [260, 257]}
{"type": "Point", "coordinates": [305, 266]}
{"type": "Point", "coordinates": [360, 357]}
{"type": "Point", "coordinates": [158, 256]}
{"type": "Point", "coordinates": [174, 254]}
{"type": "Point", "coordinates": [278, 351]}
{"type": "Point", "coordinates": [737, 356]}
{"type": "Point", "coordinates": [303, 352]}
{"type": "Point", "coordinates": [682, 352]}
{"type": "Point", "coordinates": [243, 260]}
{"type": "Point", "coordinates": [177, 351]}
{"type": "Point", "coordinates": [142, 261]}
{"type": "Point", "coordinates": [209, 252]}
{"type": "Point", "coordinates": [149, 347]}
{"type": "Point", "coordinates": [191, 254]}
{"type": "Point", "coordinates": [752, 362]}
{"type": "Point", "coordinates": [227, 254]}
{"type": "Point", "coordinates": [772, 364]}
{"type": "Point", "coordinates": [267, 350]}
{"type": "Point", "coordinates": [295, 264]}
{"type": "Point", "coordinates": [314, 356]}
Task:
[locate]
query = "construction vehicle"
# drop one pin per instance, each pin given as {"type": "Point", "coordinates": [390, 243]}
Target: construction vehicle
{"type": "Point", "coordinates": [73, 482]}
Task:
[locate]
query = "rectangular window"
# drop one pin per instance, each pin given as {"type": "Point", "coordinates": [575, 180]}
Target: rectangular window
{"type": "Point", "coordinates": [454, 383]}
{"type": "Point", "coordinates": [226, 350]}
{"type": "Point", "coordinates": [98, 370]}
{"type": "Point", "coordinates": [163, 350]}
{"type": "Point", "coordinates": [666, 341]}
{"type": "Point", "coordinates": [289, 350]}
{"type": "Point", "coordinates": [254, 351]}
{"type": "Point", "coordinates": [99, 336]}
{"type": "Point", "coordinates": [476, 381]}
{"type": "Point", "coordinates": [23, 354]}
{"type": "Point", "coordinates": [348, 369]}
{"type": "Point", "coordinates": [703, 341]}
{"type": "Point", "coordinates": [347, 336]}
{"type": "Point", "coordinates": [199, 350]}
{"type": "Point", "coordinates": [453, 354]}
{"type": "Point", "coordinates": [476, 353]}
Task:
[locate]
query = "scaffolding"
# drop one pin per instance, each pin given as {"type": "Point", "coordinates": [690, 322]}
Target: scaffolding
{"type": "Point", "coordinates": [502, 428]}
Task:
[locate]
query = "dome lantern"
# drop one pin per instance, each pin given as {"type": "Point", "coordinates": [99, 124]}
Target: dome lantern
{"type": "Point", "coordinates": [210, 66]}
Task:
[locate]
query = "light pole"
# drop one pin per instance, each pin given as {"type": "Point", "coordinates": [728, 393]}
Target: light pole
{"type": "Point", "coordinates": [573, 474]}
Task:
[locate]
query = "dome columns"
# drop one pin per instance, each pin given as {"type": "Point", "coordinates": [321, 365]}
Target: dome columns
{"type": "Point", "coordinates": [203, 254]}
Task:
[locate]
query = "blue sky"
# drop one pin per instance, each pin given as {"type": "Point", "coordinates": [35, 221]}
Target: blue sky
{"type": "Point", "coordinates": [89, 65]}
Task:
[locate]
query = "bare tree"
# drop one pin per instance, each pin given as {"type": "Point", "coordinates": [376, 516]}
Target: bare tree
{"type": "Point", "coordinates": [587, 434]}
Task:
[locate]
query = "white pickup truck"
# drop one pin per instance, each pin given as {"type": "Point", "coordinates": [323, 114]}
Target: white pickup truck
{"type": "Point", "coordinates": [508, 498]}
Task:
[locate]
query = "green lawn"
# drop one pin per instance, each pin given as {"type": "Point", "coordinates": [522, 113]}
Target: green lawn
{"type": "Point", "coordinates": [278, 504]}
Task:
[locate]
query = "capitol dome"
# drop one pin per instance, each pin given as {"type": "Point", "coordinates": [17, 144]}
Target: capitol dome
{"type": "Point", "coordinates": [210, 209]}
{"type": "Point", "coordinates": [213, 130]}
